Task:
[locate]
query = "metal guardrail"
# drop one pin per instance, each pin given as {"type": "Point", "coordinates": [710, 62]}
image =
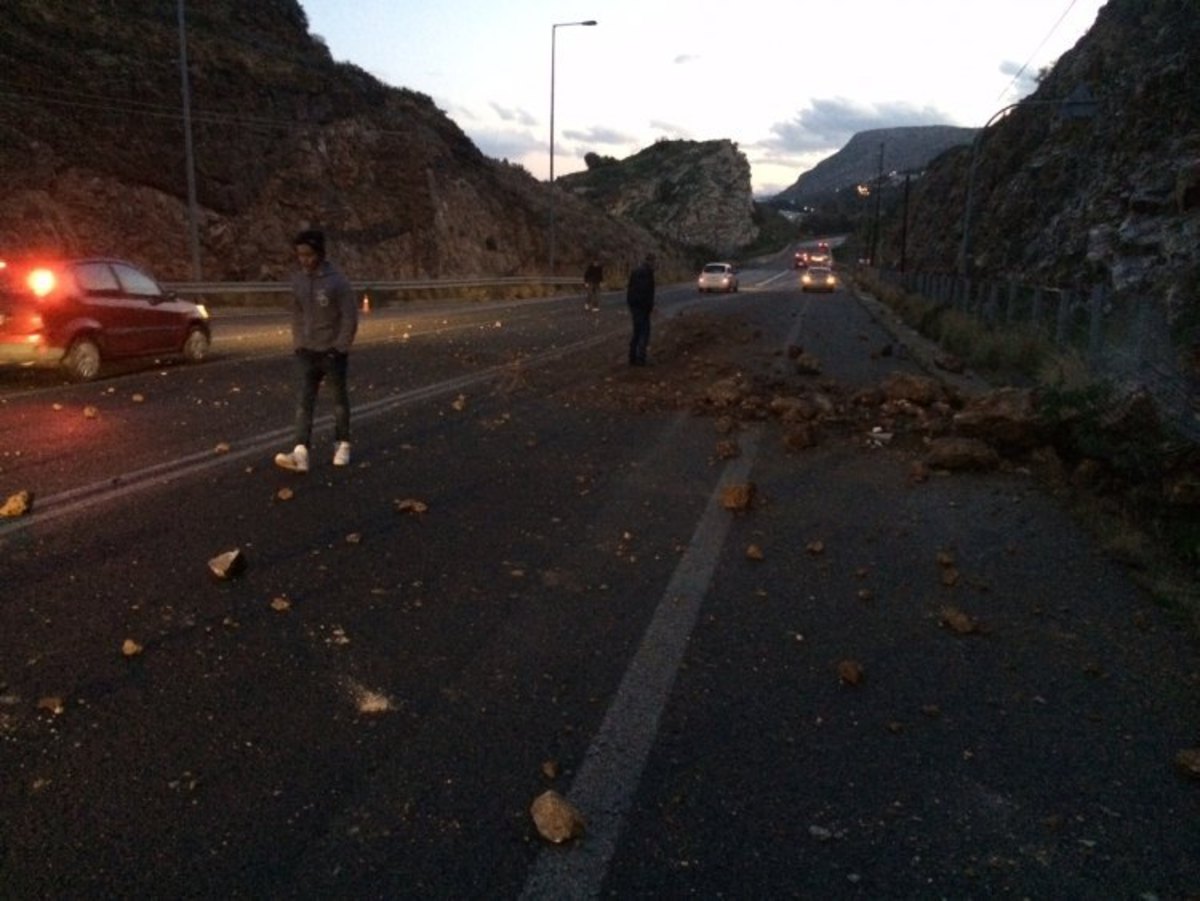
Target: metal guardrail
{"type": "Point", "coordinates": [216, 289]}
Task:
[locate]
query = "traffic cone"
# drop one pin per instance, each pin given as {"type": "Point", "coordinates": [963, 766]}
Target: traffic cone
{"type": "Point", "coordinates": [366, 303]}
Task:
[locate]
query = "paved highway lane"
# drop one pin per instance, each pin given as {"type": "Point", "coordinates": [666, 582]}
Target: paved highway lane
{"type": "Point", "coordinates": [369, 710]}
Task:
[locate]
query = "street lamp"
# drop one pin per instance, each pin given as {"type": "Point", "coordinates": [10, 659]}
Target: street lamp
{"type": "Point", "coordinates": [553, 33]}
{"type": "Point", "coordinates": [1080, 105]}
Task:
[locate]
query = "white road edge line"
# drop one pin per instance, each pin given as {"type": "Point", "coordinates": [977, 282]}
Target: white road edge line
{"type": "Point", "coordinates": [613, 764]}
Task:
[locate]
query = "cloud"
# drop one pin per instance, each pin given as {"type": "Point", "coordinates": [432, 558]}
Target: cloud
{"type": "Point", "coordinates": [670, 130]}
{"type": "Point", "coordinates": [827, 125]}
{"type": "Point", "coordinates": [599, 135]}
{"type": "Point", "coordinates": [685, 58]}
{"type": "Point", "coordinates": [519, 116]}
{"type": "Point", "coordinates": [503, 144]}
{"type": "Point", "coordinates": [1024, 81]}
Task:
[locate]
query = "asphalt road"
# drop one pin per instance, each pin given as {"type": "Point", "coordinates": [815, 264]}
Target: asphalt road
{"type": "Point", "coordinates": [369, 710]}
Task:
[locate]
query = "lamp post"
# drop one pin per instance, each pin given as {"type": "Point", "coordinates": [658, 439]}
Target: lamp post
{"type": "Point", "coordinates": [553, 34]}
{"type": "Point", "coordinates": [1079, 105]}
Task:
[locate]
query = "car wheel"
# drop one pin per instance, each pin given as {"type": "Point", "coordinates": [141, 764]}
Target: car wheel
{"type": "Point", "coordinates": [82, 360]}
{"type": "Point", "coordinates": [195, 346]}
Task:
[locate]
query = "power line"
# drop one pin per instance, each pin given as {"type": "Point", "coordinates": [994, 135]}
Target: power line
{"type": "Point", "coordinates": [1025, 66]}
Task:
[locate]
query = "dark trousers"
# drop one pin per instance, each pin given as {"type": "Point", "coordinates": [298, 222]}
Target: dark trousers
{"type": "Point", "coordinates": [641, 335]}
{"type": "Point", "coordinates": [313, 367]}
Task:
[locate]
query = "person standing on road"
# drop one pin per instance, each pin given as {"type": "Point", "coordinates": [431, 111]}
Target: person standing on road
{"type": "Point", "coordinates": [639, 296]}
{"type": "Point", "coordinates": [592, 277]}
{"type": "Point", "coordinates": [324, 322]}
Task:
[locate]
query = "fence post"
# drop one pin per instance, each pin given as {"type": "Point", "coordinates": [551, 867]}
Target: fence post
{"type": "Point", "coordinates": [1010, 309]}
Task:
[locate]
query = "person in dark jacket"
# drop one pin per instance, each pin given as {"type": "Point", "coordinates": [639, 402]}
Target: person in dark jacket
{"type": "Point", "coordinates": [639, 296]}
{"type": "Point", "coordinates": [593, 275]}
{"type": "Point", "coordinates": [324, 322]}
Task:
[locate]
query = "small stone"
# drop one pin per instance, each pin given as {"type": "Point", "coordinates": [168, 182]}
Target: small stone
{"type": "Point", "coordinates": [17, 504]}
{"type": "Point", "coordinates": [280, 604]}
{"type": "Point", "coordinates": [957, 621]}
{"type": "Point", "coordinates": [1188, 762]}
{"type": "Point", "coordinates": [754, 552]}
{"type": "Point", "coordinates": [850, 672]}
{"type": "Point", "coordinates": [130, 648]}
{"type": "Point", "coordinates": [228, 565]}
{"type": "Point", "coordinates": [51, 704]}
{"type": "Point", "coordinates": [556, 819]}
{"type": "Point", "coordinates": [738, 497]}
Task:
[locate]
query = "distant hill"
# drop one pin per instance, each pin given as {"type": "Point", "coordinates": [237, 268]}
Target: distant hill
{"type": "Point", "coordinates": [908, 149]}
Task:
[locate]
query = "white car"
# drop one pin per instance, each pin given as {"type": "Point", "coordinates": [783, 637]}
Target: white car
{"type": "Point", "coordinates": [718, 277]}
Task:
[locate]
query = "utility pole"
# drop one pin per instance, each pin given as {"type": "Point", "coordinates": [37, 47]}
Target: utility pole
{"type": "Point", "coordinates": [875, 226]}
{"type": "Point", "coordinates": [193, 227]}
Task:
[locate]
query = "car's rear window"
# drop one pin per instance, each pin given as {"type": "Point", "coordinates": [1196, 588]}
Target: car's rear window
{"type": "Point", "coordinates": [95, 277]}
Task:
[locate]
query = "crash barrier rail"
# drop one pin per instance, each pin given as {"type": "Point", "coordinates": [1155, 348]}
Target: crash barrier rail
{"type": "Point", "coordinates": [216, 290]}
{"type": "Point", "coordinates": [1128, 340]}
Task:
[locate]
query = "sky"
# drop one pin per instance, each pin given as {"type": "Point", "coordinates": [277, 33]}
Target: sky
{"type": "Point", "coordinates": [790, 81]}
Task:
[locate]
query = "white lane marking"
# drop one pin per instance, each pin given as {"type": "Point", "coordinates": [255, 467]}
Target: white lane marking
{"type": "Point", "coordinates": [109, 490]}
{"type": "Point", "coordinates": [613, 763]}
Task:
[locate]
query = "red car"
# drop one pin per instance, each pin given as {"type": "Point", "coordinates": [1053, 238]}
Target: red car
{"type": "Point", "coordinates": [79, 313]}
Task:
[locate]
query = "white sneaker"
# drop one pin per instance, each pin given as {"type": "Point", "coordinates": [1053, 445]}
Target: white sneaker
{"type": "Point", "coordinates": [341, 454]}
{"type": "Point", "coordinates": [296, 461]}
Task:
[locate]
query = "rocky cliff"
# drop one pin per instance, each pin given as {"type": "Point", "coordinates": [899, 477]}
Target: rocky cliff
{"type": "Point", "coordinates": [696, 193]}
{"type": "Point", "coordinates": [1072, 193]}
{"type": "Point", "coordinates": [92, 152]}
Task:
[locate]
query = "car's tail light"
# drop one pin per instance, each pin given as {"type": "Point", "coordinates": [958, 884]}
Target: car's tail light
{"type": "Point", "coordinates": [41, 282]}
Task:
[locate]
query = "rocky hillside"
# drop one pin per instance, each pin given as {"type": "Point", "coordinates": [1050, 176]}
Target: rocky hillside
{"type": "Point", "coordinates": [907, 149]}
{"type": "Point", "coordinates": [696, 193]}
{"type": "Point", "coordinates": [92, 153]}
{"type": "Point", "coordinates": [1073, 196]}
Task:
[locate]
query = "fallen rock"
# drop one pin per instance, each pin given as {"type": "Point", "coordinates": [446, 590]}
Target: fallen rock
{"type": "Point", "coordinates": [957, 621]}
{"type": "Point", "coordinates": [556, 819]}
{"type": "Point", "coordinates": [850, 672]}
{"type": "Point", "coordinates": [1188, 762]}
{"type": "Point", "coordinates": [952, 452]}
{"type": "Point", "coordinates": [807, 364]}
{"type": "Point", "coordinates": [917, 389]}
{"type": "Point", "coordinates": [1004, 418]}
{"type": "Point", "coordinates": [17, 504]}
{"type": "Point", "coordinates": [727, 450]}
{"type": "Point", "coordinates": [800, 436]}
{"type": "Point", "coordinates": [738, 497]}
{"type": "Point", "coordinates": [228, 565]}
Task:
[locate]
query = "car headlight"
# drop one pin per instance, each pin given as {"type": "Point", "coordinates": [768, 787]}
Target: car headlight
{"type": "Point", "coordinates": [203, 310]}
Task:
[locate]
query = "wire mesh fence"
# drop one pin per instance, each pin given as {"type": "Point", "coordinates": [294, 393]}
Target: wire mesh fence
{"type": "Point", "coordinates": [1128, 341]}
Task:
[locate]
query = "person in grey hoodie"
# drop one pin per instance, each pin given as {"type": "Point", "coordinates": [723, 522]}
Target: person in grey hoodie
{"type": "Point", "coordinates": [324, 322]}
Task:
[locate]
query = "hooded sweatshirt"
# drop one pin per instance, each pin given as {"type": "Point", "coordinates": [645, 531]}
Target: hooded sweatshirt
{"type": "Point", "coordinates": [324, 315]}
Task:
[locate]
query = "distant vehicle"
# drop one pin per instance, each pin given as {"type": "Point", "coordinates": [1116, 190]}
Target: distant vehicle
{"type": "Point", "coordinates": [718, 277]}
{"type": "Point", "coordinates": [77, 314]}
{"type": "Point", "coordinates": [800, 260]}
{"type": "Point", "coordinates": [818, 278]}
